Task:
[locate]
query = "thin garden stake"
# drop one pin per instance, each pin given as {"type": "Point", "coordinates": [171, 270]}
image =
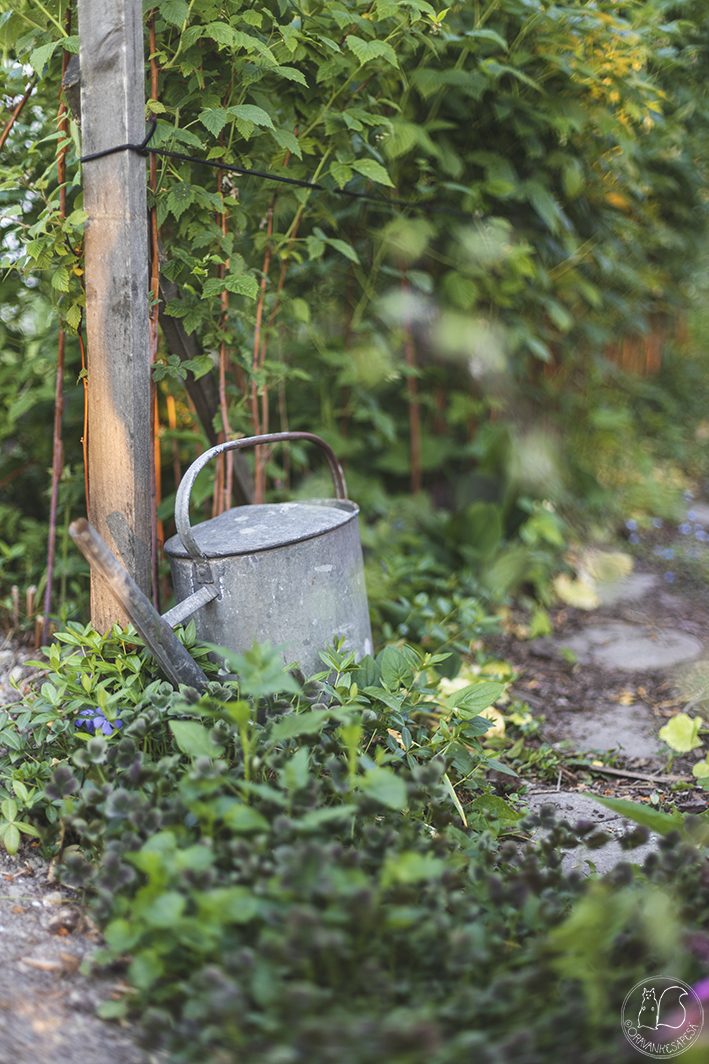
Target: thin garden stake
{"type": "Point", "coordinates": [16, 113]}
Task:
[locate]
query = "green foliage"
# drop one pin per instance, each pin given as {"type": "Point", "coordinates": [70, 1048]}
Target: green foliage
{"type": "Point", "coordinates": [568, 145]}
{"type": "Point", "coordinates": [284, 880]}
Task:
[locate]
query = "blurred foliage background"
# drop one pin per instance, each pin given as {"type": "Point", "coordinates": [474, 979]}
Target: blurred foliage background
{"type": "Point", "coordinates": [518, 348]}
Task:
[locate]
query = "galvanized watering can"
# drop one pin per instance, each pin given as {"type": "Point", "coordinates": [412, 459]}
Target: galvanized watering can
{"type": "Point", "coordinates": [289, 572]}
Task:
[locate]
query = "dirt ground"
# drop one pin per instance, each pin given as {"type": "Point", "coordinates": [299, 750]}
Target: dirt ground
{"type": "Point", "coordinates": [558, 688]}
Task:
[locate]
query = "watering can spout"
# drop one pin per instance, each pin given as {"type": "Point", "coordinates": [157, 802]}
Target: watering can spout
{"type": "Point", "coordinates": [155, 630]}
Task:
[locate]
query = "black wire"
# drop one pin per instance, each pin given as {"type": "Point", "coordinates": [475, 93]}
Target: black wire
{"type": "Point", "coordinates": [143, 149]}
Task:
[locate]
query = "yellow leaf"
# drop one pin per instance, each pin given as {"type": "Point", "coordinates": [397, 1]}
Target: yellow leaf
{"type": "Point", "coordinates": [619, 202]}
{"type": "Point", "coordinates": [576, 593]}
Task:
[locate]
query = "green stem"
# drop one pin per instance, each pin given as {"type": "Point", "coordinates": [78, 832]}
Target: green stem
{"type": "Point", "coordinates": [51, 18]}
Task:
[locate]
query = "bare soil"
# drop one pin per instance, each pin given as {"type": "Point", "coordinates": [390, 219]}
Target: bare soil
{"type": "Point", "coordinates": [557, 688]}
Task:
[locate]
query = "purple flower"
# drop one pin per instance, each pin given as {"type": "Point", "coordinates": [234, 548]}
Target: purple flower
{"type": "Point", "coordinates": [700, 535]}
{"type": "Point", "coordinates": [670, 578]}
{"type": "Point", "coordinates": [685, 529]}
{"type": "Point", "coordinates": [691, 515]}
{"type": "Point", "coordinates": [657, 522]}
{"type": "Point", "coordinates": [633, 538]}
{"type": "Point", "coordinates": [632, 524]}
{"type": "Point", "coordinates": [95, 720]}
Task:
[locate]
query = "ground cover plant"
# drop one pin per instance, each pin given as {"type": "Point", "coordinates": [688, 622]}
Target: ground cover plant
{"type": "Point", "coordinates": [323, 873]}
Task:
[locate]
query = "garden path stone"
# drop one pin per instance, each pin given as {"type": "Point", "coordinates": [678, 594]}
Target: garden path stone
{"type": "Point", "coordinates": [572, 807]}
{"type": "Point", "coordinates": [631, 729]}
{"type": "Point", "coordinates": [632, 647]}
{"type": "Point", "coordinates": [631, 588]}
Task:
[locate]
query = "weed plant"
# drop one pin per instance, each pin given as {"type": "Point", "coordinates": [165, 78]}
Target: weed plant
{"type": "Point", "coordinates": [321, 873]}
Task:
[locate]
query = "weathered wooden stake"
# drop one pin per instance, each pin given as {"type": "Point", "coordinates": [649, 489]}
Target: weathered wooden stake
{"type": "Point", "coordinates": [113, 113]}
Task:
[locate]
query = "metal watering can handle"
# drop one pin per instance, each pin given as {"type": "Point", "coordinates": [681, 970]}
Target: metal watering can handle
{"type": "Point", "coordinates": [182, 499]}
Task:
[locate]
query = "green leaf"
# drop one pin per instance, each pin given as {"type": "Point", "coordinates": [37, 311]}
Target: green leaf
{"type": "Point", "coordinates": [60, 279]}
{"type": "Point", "coordinates": [315, 247]}
{"type": "Point", "coordinates": [344, 248]}
{"type": "Point", "coordinates": [221, 32]}
{"type": "Point", "coordinates": [214, 119]}
{"type": "Point", "coordinates": [145, 969]}
{"type": "Point", "coordinates": [165, 910]}
{"type": "Point", "coordinates": [474, 698]}
{"type": "Point", "coordinates": [242, 820]}
{"type": "Point", "coordinates": [236, 904]}
{"type": "Point", "coordinates": [295, 773]}
{"type": "Point", "coordinates": [316, 819]}
{"type": "Point", "coordinates": [112, 1010]}
{"type": "Point", "coordinates": [292, 73]}
{"type": "Point", "coordinates": [176, 12]}
{"type": "Point", "coordinates": [41, 56]}
{"type": "Point", "coordinates": [11, 839]}
{"type": "Point", "coordinates": [242, 284]}
{"type": "Point", "coordinates": [495, 807]}
{"type": "Point", "coordinates": [487, 35]}
{"type": "Point", "coordinates": [385, 787]}
{"type": "Point", "coordinates": [368, 50]}
{"type": "Point", "coordinates": [411, 867]}
{"type": "Point", "coordinates": [193, 739]}
{"type": "Point", "coordinates": [396, 670]}
{"type": "Point", "coordinates": [341, 173]}
{"type": "Point", "coordinates": [681, 733]}
{"type": "Point", "coordinates": [287, 140]}
{"type": "Point", "coordinates": [179, 199]}
{"type": "Point", "coordinates": [249, 113]}
{"type": "Point", "coordinates": [655, 819]}
{"type": "Point", "coordinates": [373, 170]}
{"type": "Point", "coordinates": [122, 935]}
{"type": "Point", "coordinates": [295, 724]}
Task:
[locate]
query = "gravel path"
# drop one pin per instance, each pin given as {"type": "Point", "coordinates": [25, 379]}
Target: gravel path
{"type": "Point", "coordinates": [47, 1006]}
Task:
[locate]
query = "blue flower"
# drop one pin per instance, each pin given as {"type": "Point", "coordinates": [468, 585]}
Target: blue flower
{"type": "Point", "coordinates": [632, 524]}
{"type": "Point", "coordinates": [633, 538]}
{"type": "Point", "coordinates": [95, 720]}
{"type": "Point", "coordinates": [657, 549]}
{"type": "Point", "coordinates": [670, 578]}
{"type": "Point", "coordinates": [691, 515]}
{"type": "Point", "coordinates": [657, 522]}
{"type": "Point", "coordinates": [668, 553]}
{"type": "Point", "coordinates": [700, 535]}
{"type": "Point", "coordinates": [688, 496]}
{"type": "Point", "coordinates": [685, 529]}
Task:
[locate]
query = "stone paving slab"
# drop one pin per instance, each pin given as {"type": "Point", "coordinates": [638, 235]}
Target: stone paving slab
{"type": "Point", "coordinates": [572, 807]}
{"type": "Point", "coordinates": [632, 647]}
{"type": "Point", "coordinates": [631, 588]}
{"type": "Point", "coordinates": [630, 729]}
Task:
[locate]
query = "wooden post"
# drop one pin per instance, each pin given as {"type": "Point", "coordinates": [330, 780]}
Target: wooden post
{"type": "Point", "coordinates": [113, 113]}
